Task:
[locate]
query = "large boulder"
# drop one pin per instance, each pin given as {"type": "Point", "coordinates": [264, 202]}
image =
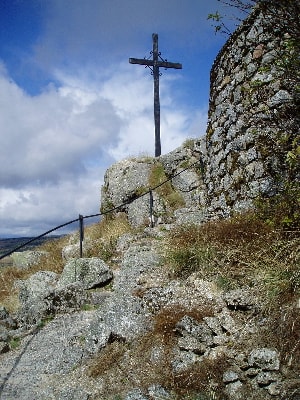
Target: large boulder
{"type": "Point", "coordinates": [89, 272]}
{"type": "Point", "coordinates": [32, 293]}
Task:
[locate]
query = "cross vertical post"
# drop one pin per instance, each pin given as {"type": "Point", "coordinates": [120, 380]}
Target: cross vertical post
{"type": "Point", "coordinates": [154, 65]}
{"type": "Point", "coordinates": [156, 95]}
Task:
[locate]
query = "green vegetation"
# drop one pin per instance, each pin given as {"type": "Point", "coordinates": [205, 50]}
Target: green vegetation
{"type": "Point", "coordinates": [14, 343]}
{"type": "Point", "coordinates": [172, 198]}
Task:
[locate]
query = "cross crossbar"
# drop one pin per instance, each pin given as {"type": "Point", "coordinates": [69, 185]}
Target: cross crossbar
{"type": "Point", "coordinates": [150, 63]}
{"type": "Point", "coordinates": [156, 63]}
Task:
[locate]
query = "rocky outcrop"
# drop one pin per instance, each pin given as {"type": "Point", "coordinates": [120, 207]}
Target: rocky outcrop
{"type": "Point", "coordinates": [182, 196]}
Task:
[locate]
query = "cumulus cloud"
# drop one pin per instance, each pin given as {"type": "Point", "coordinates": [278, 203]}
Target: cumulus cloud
{"type": "Point", "coordinates": [56, 146]}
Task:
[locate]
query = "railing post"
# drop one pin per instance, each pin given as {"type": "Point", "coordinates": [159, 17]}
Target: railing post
{"type": "Point", "coordinates": [81, 233]}
{"type": "Point", "coordinates": [151, 209]}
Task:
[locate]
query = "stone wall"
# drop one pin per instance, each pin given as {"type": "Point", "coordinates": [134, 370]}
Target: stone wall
{"type": "Point", "coordinates": [252, 113]}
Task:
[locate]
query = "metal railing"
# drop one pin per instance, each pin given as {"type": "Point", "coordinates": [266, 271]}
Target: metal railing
{"type": "Point", "coordinates": [81, 218]}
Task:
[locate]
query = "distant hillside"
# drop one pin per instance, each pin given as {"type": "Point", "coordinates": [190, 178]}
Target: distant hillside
{"type": "Point", "coordinates": [7, 245]}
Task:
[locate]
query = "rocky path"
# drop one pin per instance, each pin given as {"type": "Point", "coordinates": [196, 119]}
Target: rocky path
{"type": "Point", "coordinates": [55, 354]}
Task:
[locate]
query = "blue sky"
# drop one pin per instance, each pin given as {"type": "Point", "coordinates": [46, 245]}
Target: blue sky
{"type": "Point", "coordinates": [72, 105]}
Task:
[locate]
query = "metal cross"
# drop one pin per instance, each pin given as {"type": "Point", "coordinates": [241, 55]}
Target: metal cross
{"type": "Point", "coordinates": [154, 65]}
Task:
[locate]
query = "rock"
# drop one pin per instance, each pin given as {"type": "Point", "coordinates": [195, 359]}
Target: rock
{"type": "Point", "coordinates": [123, 182]}
{"type": "Point", "coordinates": [198, 330]}
{"type": "Point", "coordinates": [157, 392]}
{"type": "Point", "coordinates": [72, 250]}
{"type": "Point", "coordinates": [234, 390]}
{"type": "Point", "coordinates": [98, 336]}
{"type": "Point", "coordinates": [274, 389]}
{"type": "Point", "coordinates": [90, 272]}
{"type": "Point", "coordinates": [32, 294]}
{"type": "Point", "coordinates": [190, 343]}
{"type": "Point", "coordinates": [264, 378]}
{"type": "Point", "coordinates": [184, 360]}
{"type": "Point", "coordinates": [258, 51]}
{"type": "Point", "coordinates": [9, 323]}
{"type": "Point", "coordinates": [214, 324]}
{"type": "Point", "coordinates": [49, 353]}
{"type": "Point", "coordinates": [41, 298]}
{"type": "Point", "coordinates": [6, 321]}
{"type": "Point", "coordinates": [227, 323]}
{"type": "Point", "coordinates": [230, 376]}
{"type": "Point", "coordinates": [264, 358]}
{"type": "Point", "coordinates": [136, 394]}
{"type": "Point", "coordinates": [3, 313]}
{"type": "Point", "coordinates": [191, 215]}
{"type": "Point", "coordinates": [66, 299]}
{"type": "Point", "coordinates": [138, 211]}
{"type": "Point", "coordinates": [4, 335]}
{"type": "Point", "coordinates": [251, 372]}
{"type": "Point", "coordinates": [281, 97]}
{"type": "Point", "coordinates": [239, 299]}
{"type": "Point", "coordinates": [124, 316]}
{"type": "Point", "coordinates": [36, 286]}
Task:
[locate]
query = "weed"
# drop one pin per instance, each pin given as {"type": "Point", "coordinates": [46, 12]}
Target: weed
{"type": "Point", "coordinates": [105, 235]}
{"type": "Point", "coordinates": [14, 343]}
{"type": "Point", "coordinates": [44, 322]}
{"type": "Point", "coordinates": [88, 307]}
{"type": "Point", "coordinates": [284, 334]}
{"type": "Point", "coordinates": [189, 143]}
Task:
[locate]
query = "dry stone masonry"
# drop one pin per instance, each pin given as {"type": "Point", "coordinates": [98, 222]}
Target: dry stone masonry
{"type": "Point", "coordinates": [252, 109]}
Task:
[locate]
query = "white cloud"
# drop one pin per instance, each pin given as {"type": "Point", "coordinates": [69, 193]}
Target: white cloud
{"type": "Point", "coordinates": [56, 146]}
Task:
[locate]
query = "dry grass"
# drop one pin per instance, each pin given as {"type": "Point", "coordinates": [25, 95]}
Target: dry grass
{"type": "Point", "coordinates": [203, 379]}
{"type": "Point", "coordinates": [166, 191]}
{"type": "Point", "coordinates": [108, 228]}
{"type": "Point", "coordinates": [105, 235]}
{"type": "Point", "coordinates": [109, 357]}
{"type": "Point", "coordinates": [235, 252]}
{"type": "Point", "coordinates": [284, 334]}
